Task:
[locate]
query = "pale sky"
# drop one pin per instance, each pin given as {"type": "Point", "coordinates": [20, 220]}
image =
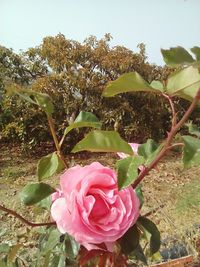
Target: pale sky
{"type": "Point", "coordinates": [157, 23]}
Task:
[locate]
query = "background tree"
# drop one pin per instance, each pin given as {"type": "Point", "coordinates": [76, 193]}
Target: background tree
{"type": "Point", "coordinates": [74, 75]}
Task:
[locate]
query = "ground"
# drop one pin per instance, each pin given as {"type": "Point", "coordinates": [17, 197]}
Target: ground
{"type": "Point", "coordinates": [172, 197]}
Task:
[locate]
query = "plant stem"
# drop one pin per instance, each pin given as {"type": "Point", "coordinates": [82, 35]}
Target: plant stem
{"type": "Point", "coordinates": [168, 141]}
{"type": "Point", "coordinates": [172, 109]}
{"type": "Point", "coordinates": [55, 139]}
{"type": "Point", "coordinates": [22, 219]}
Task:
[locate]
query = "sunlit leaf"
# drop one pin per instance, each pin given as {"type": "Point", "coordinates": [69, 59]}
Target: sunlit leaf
{"type": "Point", "coordinates": [130, 240]}
{"type": "Point", "coordinates": [191, 151]}
{"type": "Point", "coordinates": [103, 141]}
{"type": "Point", "coordinates": [129, 82]}
{"type": "Point", "coordinates": [184, 83]}
{"type": "Point", "coordinates": [86, 116]}
{"type": "Point", "coordinates": [151, 228]}
{"type": "Point", "coordinates": [196, 51]}
{"type": "Point", "coordinates": [176, 56]}
{"type": "Point", "coordinates": [127, 170]}
{"type": "Point", "coordinates": [84, 119]}
{"type": "Point", "coordinates": [157, 85]}
{"type": "Point", "coordinates": [33, 193]}
{"type": "Point", "coordinates": [48, 166]}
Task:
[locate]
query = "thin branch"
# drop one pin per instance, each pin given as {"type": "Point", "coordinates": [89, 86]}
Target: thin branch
{"type": "Point", "coordinates": [172, 109]}
{"type": "Point", "coordinates": [53, 132]}
{"type": "Point", "coordinates": [167, 143]}
{"type": "Point", "coordinates": [22, 219]}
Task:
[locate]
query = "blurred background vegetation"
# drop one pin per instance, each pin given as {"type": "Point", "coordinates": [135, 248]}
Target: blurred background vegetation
{"type": "Point", "coordinates": [74, 75]}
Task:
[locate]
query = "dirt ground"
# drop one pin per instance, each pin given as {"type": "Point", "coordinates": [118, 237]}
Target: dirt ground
{"type": "Point", "coordinates": [177, 191]}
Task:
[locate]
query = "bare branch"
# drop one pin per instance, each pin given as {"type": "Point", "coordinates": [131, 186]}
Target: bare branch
{"type": "Point", "coordinates": [22, 219]}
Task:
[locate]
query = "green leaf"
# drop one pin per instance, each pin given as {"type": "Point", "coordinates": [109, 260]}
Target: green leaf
{"type": "Point", "coordinates": [62, 261]}
{"type": "Point", "coordinates": [154, 154]}
{"type": "Point", "coordinates": [55, 261]}
{"type": "Point", "coordinates": [157, 85]}
{"type": "Point", "coordinates": [71, 247]}
{"type": "Point", "coordinates": [130, 240]}
{"type": "Point", "coordinates": [53, 240]}
{"type": "Point", "coordinates": [33, 193]}
{"type": "Point", "coordinates": [191, 151]}
{"type": "Point", "coordinates": [129, 82]}
{"type": "Point", "coordinates": [48, 166]}
{"type": "Point", "coordinates": [47, 259]}
{"type": "Point", "coordinates": [84, 119]}
{"type": "Point", "coordinates": [45, 203]}
{"type": "Point", "coordinates": [184, 83]}
{"type": "Point", "coordinates": [151, 228]}
{"type": "Point", "coordinates": [176, 56]}
{"type": "Point", "coordinates": [127, 170]}
{"type": "Point", "coordinates": [103, 141]}
{"type": "Point", "coordinates": [27, 98]}
{"type": "Point", "coordinates": [44, 101]}
{"type": "Point", "coordinates": [139, 254]}
{"type": "Point", "coordinates": [193, 129]}
{"type": "Point", "coordinates": [139, 193]}
{"type": "Point", "coordinates": [149, 150]}
{"type": "Point", "coordinates": [40, 99]}
{"type": "Point", "coordinates": [196, 50]}
{"type": "Point", "coordinates": [86, 116]}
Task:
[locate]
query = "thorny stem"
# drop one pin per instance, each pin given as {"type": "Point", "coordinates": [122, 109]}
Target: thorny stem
{"type": "Point", "coordinates": [167, 143]}
{"type": "Point", "coordinates": [53, 132]}
{"type": "Point", "coordinates": [22, 219]}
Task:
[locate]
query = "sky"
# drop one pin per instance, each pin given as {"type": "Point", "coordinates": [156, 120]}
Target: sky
{"type": "Point", "coordinates": [157, 23]}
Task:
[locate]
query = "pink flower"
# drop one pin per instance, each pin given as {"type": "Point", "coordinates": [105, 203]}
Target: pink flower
{"type": "Point", "coordinates": [134, 147]}
{"type": "Point", "coordinates": [92, 210]}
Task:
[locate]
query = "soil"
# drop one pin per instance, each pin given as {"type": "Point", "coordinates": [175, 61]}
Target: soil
{"type": "Point", "coordinates": [172, 199]}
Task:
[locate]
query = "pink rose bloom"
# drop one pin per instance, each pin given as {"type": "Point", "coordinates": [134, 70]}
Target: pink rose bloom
{"type": "Point", "coordinates": [134, 147]}
{"type": "Point", "coordinates": [91, 209]}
